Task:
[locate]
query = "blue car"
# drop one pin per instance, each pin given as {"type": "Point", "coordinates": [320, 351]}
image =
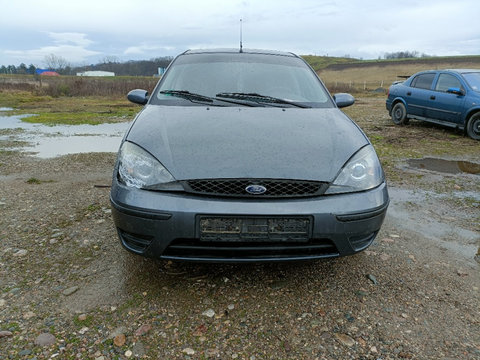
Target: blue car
{"type": "Point", "coordinates": [446, 97]}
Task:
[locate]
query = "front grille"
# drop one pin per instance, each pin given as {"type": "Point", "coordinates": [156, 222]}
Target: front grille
{"type": "Point", "coordinates": [196, 250]}
{"type": "Point", "coordinates": [237, 187]}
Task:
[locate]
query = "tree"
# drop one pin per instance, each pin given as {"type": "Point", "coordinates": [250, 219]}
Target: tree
{"type": "Point", "coordinates": [22, 69]}
{"type": "Point", "coordinates": [132, 67]}
{"type": "Point", "coordinates": [55, 62]}
{"type": "Point", "coordinates": [31, 69]}
{"type": "Point", "coordinates": [401, 55]}
{"type": "Point", "coordinates": [11, 69]}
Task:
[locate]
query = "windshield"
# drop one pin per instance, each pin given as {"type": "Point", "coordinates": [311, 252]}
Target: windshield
{"type": "Point", "coordinates": [210, 74]}
{"type": "Point", "coordinates": [473, 79]}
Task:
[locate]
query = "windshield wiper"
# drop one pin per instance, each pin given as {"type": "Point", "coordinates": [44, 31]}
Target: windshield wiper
{"type": "Point", "coordinates": [258, 98]}
{"type": "Point", "coordinates": [184, 94]}
{"type": "Point", "coordinates": [193, 97]}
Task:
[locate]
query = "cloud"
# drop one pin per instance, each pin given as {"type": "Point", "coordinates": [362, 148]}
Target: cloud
{"type": "Point", "coordinates": [70, 46]}
{"type": "Point", "coordinates": [145, 48]}
{"type": "Point", "coordinates": [155, 28]}
{"type": "Point", "coordinates": [78, 39]}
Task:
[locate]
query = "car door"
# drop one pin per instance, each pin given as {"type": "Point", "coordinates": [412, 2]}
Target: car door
{"type": "Point", "coordinates": [417, 95]}
{"type": "Point", "coordinates": [444, 105]}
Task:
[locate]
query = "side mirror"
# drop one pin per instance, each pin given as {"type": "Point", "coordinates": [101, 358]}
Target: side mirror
{"type": "Point", "coordinates": [456, 91]}
{"type": "Point", "coordinates": [138, 96]}
{"type": "Point", "coordinates": [343, 99]}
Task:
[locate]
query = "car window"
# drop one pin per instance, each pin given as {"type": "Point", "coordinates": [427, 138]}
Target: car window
{"type": "Point", "coordinates": [423, 81]}
{"type": "Point", "coordinates": [473, 79]}
{"type": "Point", "coordinates": [282, 77]}
{"type": "Point", "coordinates": [447, 81]}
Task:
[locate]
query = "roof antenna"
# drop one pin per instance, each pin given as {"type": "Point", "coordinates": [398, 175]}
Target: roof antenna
{"type": "Point", "coordinates": [241, 46]}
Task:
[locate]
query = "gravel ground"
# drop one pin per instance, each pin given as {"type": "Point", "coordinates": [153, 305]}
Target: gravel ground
{"type": "Point", "coordinates": [68, 290]}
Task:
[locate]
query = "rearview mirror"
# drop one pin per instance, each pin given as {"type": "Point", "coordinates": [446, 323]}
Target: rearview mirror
{"type": "Point", "coordinates": [138, 96]}
{"type": "Point", "coordinates": [343, 99]}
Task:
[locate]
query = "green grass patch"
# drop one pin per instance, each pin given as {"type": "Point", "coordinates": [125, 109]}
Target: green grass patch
{"type": "Point", "coordinates": [36, 181]}
{"type": "Point", "coordinates": [67, 110]}
{"type": "Point", "coordinates": [13, 326]}
{"type": "Point", "coordinates": [80, 323]}
{"type": "Point", "coordinates": [8, 152]}
{"type": "Point", "coordinates": [20, 99]}
{"type": "Point", "coordinates": [93, 207]}
{"type": "Point", "coordinates": [33, 180]}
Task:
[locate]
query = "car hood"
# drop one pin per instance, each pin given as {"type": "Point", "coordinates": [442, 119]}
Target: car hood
{"type": "Point", "coordinates": [197, 142]}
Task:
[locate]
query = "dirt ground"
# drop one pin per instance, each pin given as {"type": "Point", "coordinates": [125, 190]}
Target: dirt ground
{"type": "Point", "coordinates": [68, 290]}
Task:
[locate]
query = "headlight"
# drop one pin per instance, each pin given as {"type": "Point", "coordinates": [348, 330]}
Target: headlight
{"type": "Point", "coordinates": [137, 168]}
{"type": "Point", "coordinates": [362, 172]}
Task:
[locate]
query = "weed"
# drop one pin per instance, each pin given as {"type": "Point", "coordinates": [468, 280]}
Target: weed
{"type": "Point", "coordinates": [88, 322]}
{"type": "Point", "coordinates": [13, 326]}
{"type": "Point", "coordinates": [36, 181]}
{"type": "Point", "coordinates": [33, 180]}
{"type": "Point", "coordinates": [93, 207]}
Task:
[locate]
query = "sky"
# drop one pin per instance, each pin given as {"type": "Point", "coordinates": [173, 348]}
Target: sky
{"type": "Point", "coordinates": [90, 31]}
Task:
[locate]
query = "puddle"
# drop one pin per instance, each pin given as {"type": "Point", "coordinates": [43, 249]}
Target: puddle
{"type": "Point", "coordinates": [51, 141]}
{"type": "Point", "coordinates": [445, 166]}
{"type": "Point", "coordinates": [5, 109]}
{"type": "Point", "coordinates": [418, 211]}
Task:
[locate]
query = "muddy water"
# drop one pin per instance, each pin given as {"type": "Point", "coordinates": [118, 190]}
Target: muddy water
{"type": "Point", "coordinates": [420, 211]}
{"type": "Point", "coordinates": [51, 141]}
{"type": "Point", "coordinates": [445, 166]}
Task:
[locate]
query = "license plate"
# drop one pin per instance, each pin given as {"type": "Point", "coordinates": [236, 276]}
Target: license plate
{"type": "Point", "coordinates": [255, 229]}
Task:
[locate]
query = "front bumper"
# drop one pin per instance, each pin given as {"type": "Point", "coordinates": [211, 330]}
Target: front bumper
{"type": "Point", "coordinates": [165, 225]}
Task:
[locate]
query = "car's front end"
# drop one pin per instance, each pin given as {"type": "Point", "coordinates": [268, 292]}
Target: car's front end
{"type": "Point", "coordinates": [245, 183]}
{"type": "Point", "coordinates": [218, 229]}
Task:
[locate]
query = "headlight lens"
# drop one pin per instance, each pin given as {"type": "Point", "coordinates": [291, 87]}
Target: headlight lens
{"type": "Point", "coordinates": [137, 168]}
{"type": "Point", "coordinates": [362, 172]}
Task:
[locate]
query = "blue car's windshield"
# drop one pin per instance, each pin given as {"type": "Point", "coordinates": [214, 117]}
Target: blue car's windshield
{"type": "Point", "coordinates": [473, 79]}
{"type": "Point", "coordinates": [231, 75]}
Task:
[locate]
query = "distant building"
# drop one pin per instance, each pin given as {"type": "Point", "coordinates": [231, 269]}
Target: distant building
{"type": "Point", "coordinates": [96, 73]}
{"type": "Point", "coordinates": [46, 72]}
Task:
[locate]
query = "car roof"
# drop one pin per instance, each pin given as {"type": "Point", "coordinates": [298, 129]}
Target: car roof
{"type": "Point", "coordinates": [460, 71]}
{"type": "Point", "coordinates": [233, 51]}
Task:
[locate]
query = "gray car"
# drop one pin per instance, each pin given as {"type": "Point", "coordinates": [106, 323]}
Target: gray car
{"type": "Point", "coordinates": [243, 156]}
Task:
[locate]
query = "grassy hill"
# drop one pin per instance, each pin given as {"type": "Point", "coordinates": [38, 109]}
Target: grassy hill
{"type": "Point", "coordinates": [321, 62]}
{"type": "Point", "coordinates": [344, 74]}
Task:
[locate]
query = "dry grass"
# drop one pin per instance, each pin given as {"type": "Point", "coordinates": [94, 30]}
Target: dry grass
{"type": "Point", "coordinates": [76, 86]}
{"type": "Point", "coordinates": [373, 75]}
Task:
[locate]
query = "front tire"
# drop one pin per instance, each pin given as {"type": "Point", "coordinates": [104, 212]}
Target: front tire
{"type": "Point", "coordinates": [399, 114]}
{"type": "Point", "coordinates": [473, 126]}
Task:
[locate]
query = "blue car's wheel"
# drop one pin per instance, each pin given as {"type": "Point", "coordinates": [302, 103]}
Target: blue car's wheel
{"type": "Point", "coordinates": [473, 126]}
{"type": "Point", "coordinates": [399, 114]}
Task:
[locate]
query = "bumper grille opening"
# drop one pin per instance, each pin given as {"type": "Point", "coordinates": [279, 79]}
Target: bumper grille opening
{"type": "Point", "coordinates": [194, 249]}
{"type": "Point", "coordinates": [135, 242]}
{"type": "Point", "coordinates": [237, 187]}
{"type": "Point", "coordinates": [362, 242]}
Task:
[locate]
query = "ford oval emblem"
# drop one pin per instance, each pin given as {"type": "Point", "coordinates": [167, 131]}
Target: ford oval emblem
{"type": "Point", "coordinates": [256, 189]}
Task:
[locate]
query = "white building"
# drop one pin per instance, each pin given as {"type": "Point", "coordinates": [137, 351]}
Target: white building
{"type": "Point", "coordinates": [96, 73]}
